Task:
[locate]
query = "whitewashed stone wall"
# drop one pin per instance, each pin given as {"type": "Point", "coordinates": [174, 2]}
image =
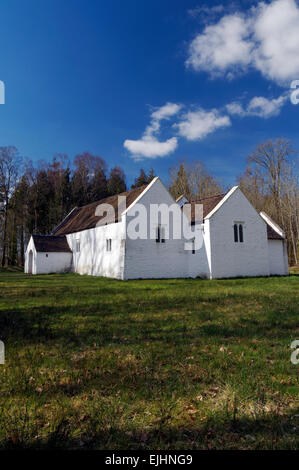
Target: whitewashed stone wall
{"type": "Point", "coordinates": [30, 247]}
{"type": "Point", "coordinates": [218, 257]}
{"type": "Point", "coordinates": [277, 258]}
{"type": "Point", "coordinates": [230, 259]}
{"type": "Point", "coordinates": [93, 258]}
{"type": "Point", "coordinates": [43, 264]}
{"type": "Point", "coordinates": [148, 259]}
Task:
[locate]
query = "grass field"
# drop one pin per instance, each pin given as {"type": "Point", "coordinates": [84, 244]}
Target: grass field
{"type": "Point", "coordinates": [93, 363]}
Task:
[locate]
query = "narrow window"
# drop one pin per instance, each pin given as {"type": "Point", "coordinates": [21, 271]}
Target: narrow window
{"type": "Point", "coordinates": [236, 232]}
{"type": "Point", "coordinates": [77, 246]}
{"type": "Point", "coordinates": [108, 244]}
{"type": "Point", "coordinates": [158, 234]}
{"type": "Point", "coordinates": [193, 247]}
{"type": "Point", "coordinates": [47, 255]}
{"type": "Point", "coordinates": [241, 233]}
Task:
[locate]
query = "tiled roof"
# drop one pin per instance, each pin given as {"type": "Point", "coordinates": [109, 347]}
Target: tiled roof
{"type": "Point", "coordinates": [208, 203]}
{"type": "Point", "coordinates": [83, 218]}
{"type": "Point", "coordinates": [272, 234]}
{"type": "Point", "coordinates": [51, 243]}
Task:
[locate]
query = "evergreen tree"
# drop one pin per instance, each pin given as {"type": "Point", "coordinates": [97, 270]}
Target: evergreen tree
{"type": "Point", "coordinates": [180, 185]}
{"type": "Point", "coordinates": [116, 182]}
{"type": "Point", "coordinates": [143, 178]}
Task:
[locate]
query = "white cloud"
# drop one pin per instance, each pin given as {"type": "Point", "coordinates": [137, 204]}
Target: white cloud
{"type": "Point", "coordinates": [258, 106]}
{"type": "Point", "coordinates": [236, 109]}
{"type": "Point", "coordinates": [266, 38]}
{"type": "Point", "coordinates": [196, 125]}
{"type": "Point", "coordinates": [166, 111]}
{"type": "Point", "coordinates": [277, 31]}
{"type": "Point", "coordinates": [149, 146]}
{"type": "Point", "coordinates": [222, 46]}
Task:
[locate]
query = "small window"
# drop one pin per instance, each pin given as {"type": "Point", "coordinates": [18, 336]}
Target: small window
{"type": "Point", "coordinates": [77, 246]}
{"type": "Point", "coordinates": [236, 233]}
{"type": "Point", "coordinates": [160, 234]}
{"type": "Point", "coordinates": [47, 255]}
{"type": "Point", "coordinates": [241, 233]}
{"type": "Point", "coordinates": [193, 247]}
{"type": "Point", "coordinates": [108, 244]}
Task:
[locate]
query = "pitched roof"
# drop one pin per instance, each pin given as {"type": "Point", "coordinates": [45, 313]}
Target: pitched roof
{"type": "Point", "coordinates": [272, 234]}
{"type": "Point", "coordinates": [83, 218]}
{"type": "Point", "coordinates": [273, 230]}
{"type": "Point", "coordinates": [51, 243]}
{"type": "Point", "coordinates": [208, 203]}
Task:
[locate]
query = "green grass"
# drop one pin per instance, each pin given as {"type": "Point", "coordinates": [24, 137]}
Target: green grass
{"type": "Point", "coordinates": [171, 364]}
{"type": "Point", "coordinates": [294, 270]}
{"type": "Point", "coordinates": [11, 270]}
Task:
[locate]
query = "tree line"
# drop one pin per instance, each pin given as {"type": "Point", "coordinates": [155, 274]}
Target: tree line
{"type": "Point", "coordinates": [35, 198]}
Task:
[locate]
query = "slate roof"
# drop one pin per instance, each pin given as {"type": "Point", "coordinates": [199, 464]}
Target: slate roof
{"type": "Point", "coordinates": [83, 218]}
{"type": "Point", "coordinates": [51, 243]}
{"type": "Point", "coordinates": [272, 234]}
{"type": "Point", "coordinates": [208, 203]}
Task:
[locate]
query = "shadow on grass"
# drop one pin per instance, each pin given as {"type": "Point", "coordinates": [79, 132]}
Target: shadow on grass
{"type": "Point", "coordinates": [130, 321]}
{"type": "Point", "coordinates": [277, 431]}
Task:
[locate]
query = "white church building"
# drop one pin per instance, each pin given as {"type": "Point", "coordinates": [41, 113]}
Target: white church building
{"type": "Point", "coordinates": [236, 240]}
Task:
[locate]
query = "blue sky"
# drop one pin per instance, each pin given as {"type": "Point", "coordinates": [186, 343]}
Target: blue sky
{"type": "Point", "coordinates": [96, 75]}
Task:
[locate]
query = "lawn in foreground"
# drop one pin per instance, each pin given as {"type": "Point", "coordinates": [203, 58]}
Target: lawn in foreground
{"type": "Point", "coordinates": [155, 364]}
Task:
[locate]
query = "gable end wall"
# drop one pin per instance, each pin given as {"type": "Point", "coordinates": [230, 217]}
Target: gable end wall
{"type": "Point", "coordinates": [230, 259]}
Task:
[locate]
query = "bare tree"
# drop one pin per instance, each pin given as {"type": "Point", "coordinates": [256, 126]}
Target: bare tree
{"type": "Point", "coordinates": [9, 170]}
{"type": "Point", "coordinates": [290, 208]}
{"type": "Point", "coordinates": [272, 184]}
{"type": "Point", "coordinates": [193, 181]}
{"type": "Point", "coordinates": [274, 157]}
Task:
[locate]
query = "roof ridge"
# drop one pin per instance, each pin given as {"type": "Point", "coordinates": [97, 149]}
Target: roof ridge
{"type": "Point", "coordinates": [208, 197]}
{"type": "Point", "coordinates": [46, 235]}
{"type": "Point", "coordinates": [85, 217]}
{"type": "Point", "coordinates": [112, 195]}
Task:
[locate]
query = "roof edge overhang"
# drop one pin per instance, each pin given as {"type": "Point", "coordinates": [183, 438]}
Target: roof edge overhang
{"type": "Point", "coordinates": [141, 195]}
{"type": "Point", "coordinates": [63, 221]}
{"type": "Point", "coordinates": [272, 224]}
{"type": "Point", "coordinates": [223, 200]}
